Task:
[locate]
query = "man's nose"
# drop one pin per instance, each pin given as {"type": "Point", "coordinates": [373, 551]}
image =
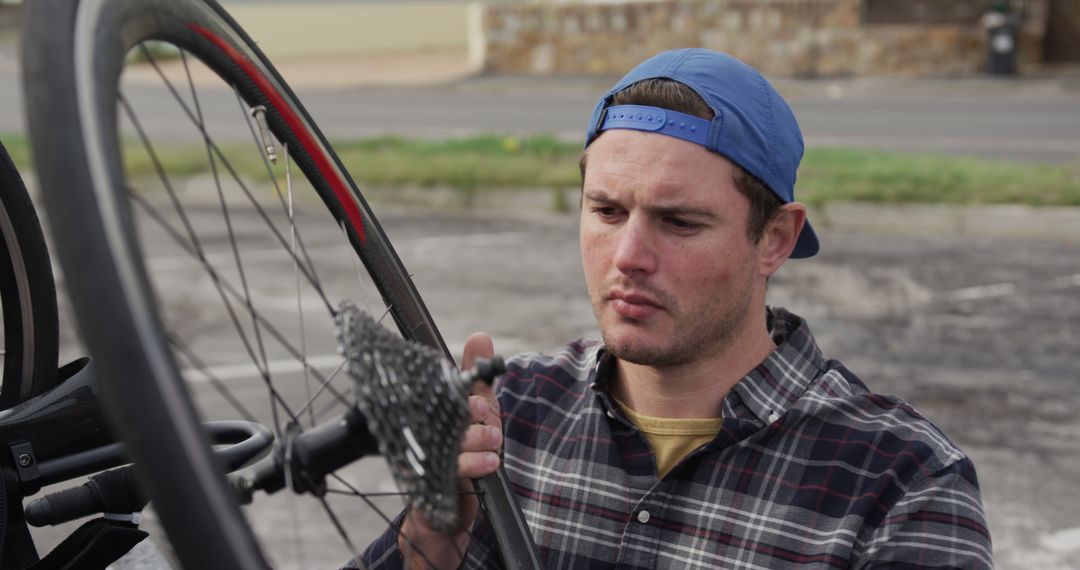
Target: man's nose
{"type": "Point", "coordinates": [635, 248]}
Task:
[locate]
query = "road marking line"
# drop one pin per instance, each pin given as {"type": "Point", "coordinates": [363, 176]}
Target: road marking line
{"type": "Point", "coordinates": [1063, 541]}
{"type": "Point", "coordinates": [981, 292]}
{"type": "Point", "coordinates": [1006, 289]}
{"type": "Point", "coordinates": [1066, 282]}
{"type": "Point", "coordinates": [248, 370]}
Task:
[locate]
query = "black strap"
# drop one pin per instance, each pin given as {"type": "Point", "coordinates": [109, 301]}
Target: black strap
{"type": "Point", "coordinates": [94, 546]}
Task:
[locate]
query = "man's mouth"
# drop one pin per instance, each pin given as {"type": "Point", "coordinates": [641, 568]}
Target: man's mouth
{"type": "Point", "coordinates": [633, 305]}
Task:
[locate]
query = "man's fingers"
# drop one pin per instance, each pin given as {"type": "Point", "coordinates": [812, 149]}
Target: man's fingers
{"type": "Point", "coordinates": [485, 411]}
{"type": "Point", "coordinates": [479, 448]}
{"type": "Point", "coordinates": [478, 345]}
{"type": "Point", "coordinates": [477, 464]}
{"type": "Point", "coordinates": [481, 437]}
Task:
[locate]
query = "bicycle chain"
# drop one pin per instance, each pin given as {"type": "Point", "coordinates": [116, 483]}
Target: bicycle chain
{"type": "Point", "coordinates": [417, 407]}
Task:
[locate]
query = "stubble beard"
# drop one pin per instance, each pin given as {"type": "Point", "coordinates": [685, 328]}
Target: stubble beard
{"type": "Point", "coordinates": [702, 332]}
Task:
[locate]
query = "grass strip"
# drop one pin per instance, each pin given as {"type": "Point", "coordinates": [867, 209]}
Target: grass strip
{"type": "Point", "coordinates": [541, 162]}
{"type": "Point", "coordinates": [848, 175]}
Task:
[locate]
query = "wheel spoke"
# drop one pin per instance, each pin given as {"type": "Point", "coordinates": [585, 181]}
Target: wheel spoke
{"type": "Point", "coordinates": [214, 153]}
{"type": "Point", "coordinates": [287, 208]}
{"type": "Point", "coordinates": [341, 531]}
{"type": "Point", "coordinates": [329, 407]}
{"type": "Point", "coordinates": [216, 382]}
{"type": "Point", "coordinates": [366, 497]}
{"type": "Point", "coordinates": [196, 249]}
{"type": "Point", "coordinates": [201, 124]}
{"type": "Point", "coordinates": [238, 180]}
{"type": "Point", "coordinates": [322, 387]}
{"type": "Point", "coordinates": [231, 290]}
{"type": "Point", "coordinates": [296, 275]}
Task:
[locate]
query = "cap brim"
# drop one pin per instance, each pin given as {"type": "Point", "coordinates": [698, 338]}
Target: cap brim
{"type": "Point", "coordinates": [808, 244]}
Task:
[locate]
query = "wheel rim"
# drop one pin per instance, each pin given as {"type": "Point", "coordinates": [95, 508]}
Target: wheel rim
{"type": "Point", "coordinates": [28, 329]}
{"type": "Point", "coordinates": [227, 272]}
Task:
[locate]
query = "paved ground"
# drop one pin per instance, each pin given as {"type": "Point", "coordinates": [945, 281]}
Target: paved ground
{"type": "Point", "coordinates": [978, 332]}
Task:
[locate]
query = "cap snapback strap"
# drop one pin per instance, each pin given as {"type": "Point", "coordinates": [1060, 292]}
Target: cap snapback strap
{"type": "Point", "coordinates": [655, 119]}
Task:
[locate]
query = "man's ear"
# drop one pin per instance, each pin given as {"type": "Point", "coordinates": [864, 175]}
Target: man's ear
{"type": "Point", "coordinates": [781, 234]}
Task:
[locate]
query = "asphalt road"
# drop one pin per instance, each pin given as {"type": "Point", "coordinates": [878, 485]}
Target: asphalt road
{"type": "Point", "coordinates": [1030, 119]}
{"type": "Point", "coordinates": [1025, 120]}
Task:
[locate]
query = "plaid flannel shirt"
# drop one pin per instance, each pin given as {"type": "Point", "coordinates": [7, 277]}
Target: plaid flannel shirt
{"type": "Point", "coordinates": [809, 469]}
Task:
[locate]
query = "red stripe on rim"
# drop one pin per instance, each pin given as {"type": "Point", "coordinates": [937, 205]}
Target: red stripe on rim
{"type": "Point", "coordinates": [322, 162]}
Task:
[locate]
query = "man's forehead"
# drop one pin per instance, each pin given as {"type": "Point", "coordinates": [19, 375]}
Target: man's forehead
{"type": "Point", "coordinates": [670, 169]}
{"type": "Point", "coordinates": [647, 153]}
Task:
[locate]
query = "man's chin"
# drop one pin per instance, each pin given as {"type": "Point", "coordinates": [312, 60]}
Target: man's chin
{"type": "Point", "coordinates": [645, 350]}
{"type": "Point", "coordinates": [654, 356]}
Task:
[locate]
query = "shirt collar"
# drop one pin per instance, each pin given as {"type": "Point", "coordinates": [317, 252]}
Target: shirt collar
{"type": "Point", "coordinates": [773, 386]}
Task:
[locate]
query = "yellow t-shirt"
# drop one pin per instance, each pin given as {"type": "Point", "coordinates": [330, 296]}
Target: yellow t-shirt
{"type": "Point", "coordinates": [672, 439]}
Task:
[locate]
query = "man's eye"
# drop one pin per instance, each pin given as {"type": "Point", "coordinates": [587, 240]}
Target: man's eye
{"type": "Point", "coordinates": [605, 211]}
{"type": "Point", "coordinates": [681, 224]}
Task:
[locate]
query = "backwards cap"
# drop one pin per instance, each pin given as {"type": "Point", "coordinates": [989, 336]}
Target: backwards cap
{"type": "Point", "coordinates": [753, 126]}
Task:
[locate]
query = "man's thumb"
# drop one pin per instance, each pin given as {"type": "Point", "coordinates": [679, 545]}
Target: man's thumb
{"type": "Point", "coordinates": [479, 345]}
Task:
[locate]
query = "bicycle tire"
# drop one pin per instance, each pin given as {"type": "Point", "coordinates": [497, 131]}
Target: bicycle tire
{"type": "Point", "coordinates": [74, 52]}
{"type": "Point", "coordinates": [29, 341]}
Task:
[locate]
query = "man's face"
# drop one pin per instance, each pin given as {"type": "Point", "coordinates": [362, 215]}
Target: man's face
{"type": "Point", "coordinates": [671, 273]}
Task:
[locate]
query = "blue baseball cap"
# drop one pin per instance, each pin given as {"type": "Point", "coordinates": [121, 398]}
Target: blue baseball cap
{"type": "Point", "coordinates": [753, 126]}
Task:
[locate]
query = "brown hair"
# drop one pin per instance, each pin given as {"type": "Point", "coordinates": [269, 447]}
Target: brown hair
{"type": "Point", "coordinates": [675, 96]}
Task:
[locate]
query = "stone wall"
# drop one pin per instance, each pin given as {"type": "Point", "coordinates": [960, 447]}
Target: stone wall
{"type": "Point", "coordinates": [923, 11]}
{"type": "Point", "coordinates": [1063, 31]}
{"type": "Point", "coordinates": [799, 38]}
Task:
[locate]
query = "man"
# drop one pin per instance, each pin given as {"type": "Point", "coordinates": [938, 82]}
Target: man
{"type": "Point", "coordinates": [707, 429]}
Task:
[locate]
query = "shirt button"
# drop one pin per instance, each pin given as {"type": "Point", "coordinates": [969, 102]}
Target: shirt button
{"type": "Point", "coordinates": [643, 517]}
{"type": "Point", "coordinates": [611, 414]}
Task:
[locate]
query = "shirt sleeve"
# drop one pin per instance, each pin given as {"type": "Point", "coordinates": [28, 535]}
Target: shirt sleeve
{"type": "Point", "coordinates": [482, 553]}
{"type": "Point", "coordinates": [383, 554]}
{"type": "Point", "coordinates": [937, 523]}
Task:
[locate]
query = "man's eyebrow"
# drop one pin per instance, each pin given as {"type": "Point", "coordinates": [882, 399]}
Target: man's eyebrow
{"type": "Point", "coordinates": [683, 211]}
{"type": "Point", "coordinates": [598, 196]}
{"type": "Point", "coordinates": [601, 197]}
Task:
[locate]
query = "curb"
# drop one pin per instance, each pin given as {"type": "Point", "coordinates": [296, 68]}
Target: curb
{"type": "Point", "coordinates": [1006, 221]}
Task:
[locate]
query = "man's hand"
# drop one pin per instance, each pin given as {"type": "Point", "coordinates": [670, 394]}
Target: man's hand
{"type": "Point", "coordinates": [480, 448]}
{"type": "Point", "coordinates": [422, 545]}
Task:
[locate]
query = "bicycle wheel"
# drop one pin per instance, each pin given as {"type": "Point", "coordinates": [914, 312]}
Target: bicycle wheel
{"type": "Point", "coordinates": [149, 233]}
{"type": "Point", "coordinates": [28, 339]}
